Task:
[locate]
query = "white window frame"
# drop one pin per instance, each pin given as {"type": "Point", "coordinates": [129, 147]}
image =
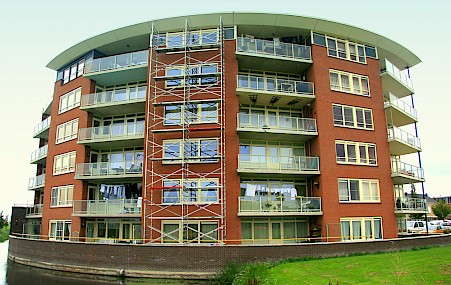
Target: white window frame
{"type": "Point", "coordinates": [193, 70]}
{"type": "Point", "coordinates": [62, 196]}
{"type": "Point", "coordinates": [201, 36]}
{"type": "Point", "coordinates": [67, 131]}
{"type": "Point", "coordinates": [190, 195]}
{"type": "Point", "coordinates": [64, 163]}
{"type": "Point", "coordinates": [177, 235]}
{"type": "Point", "coordinates": [57, 229]}
{"type": "Point", "coordinates": [357, 158]}
{"type": "Point", "coordinates": [354, 123]}
{"type": "Point", "coordinates": [346, 52]}
{"type": "Point", "coordinates": [199, 158]}
{"type": "Point", "coordinates": [362, 223]}
{"type": "Point", "coordinates": [183, 115]}
{"type": "Point", "coordinates": [69, 101]}
{"type": "Point", "coordinates": [355, 85]}
{"type": "Point", "coordinates": [371, 195]}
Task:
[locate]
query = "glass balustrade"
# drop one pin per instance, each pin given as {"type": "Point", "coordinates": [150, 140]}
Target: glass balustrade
{"type": "Point", "coordinates": [398, 134]}
{"type": "Point", "coordinates": [402, 76]}
{"type": "Point", "coordinates": [277, 163]}
{"type": "Point", "coordinates": [403, 168]}
{"type": "Point", "coordinates": [42, 126]}
{"type": "Point", "coordinates": [118, 168]}
{"type": "Point", "coordinates": [401, 105]}
{"type": "Point", "coordinates": [279, 204]}
{"type": "Point", "coordinates": [117, 61]}
{"type": "Point", "coordinates": [410, 204]}
{"type": "Point", "coordinates": [274, 84]}
{"type": "Point", "coordinates": [280, 123]}
{"type": "Point", "coordinates": [114, 131]}
{"type": "Point", "coordinates": [115, 96]}
{"type": "Point", "coordinates": [34, 210]}
{"type": "Point", "coordinates": [107, 207]}
{"type": "Point", "coordinates": [273, 48]}
{"type": "Point", "coordinates": [37, 181]}
{"type": "Point", "coordinates": [39, 153]}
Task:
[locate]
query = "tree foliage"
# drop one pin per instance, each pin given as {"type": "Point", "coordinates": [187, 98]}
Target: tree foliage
{"type": "Point", "coordinates": [441, 210]}
{"type": "Point", "coordinates": [3, 221]}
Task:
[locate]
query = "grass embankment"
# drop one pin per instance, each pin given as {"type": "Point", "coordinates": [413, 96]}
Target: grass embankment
{"type": "Point", "coordinates": [422, 266]}
{"type": "Point", "coordinates": [4, 233]}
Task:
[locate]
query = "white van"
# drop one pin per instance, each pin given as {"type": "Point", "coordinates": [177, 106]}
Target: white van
{"type": "Point", "coordinates": [415, 226]}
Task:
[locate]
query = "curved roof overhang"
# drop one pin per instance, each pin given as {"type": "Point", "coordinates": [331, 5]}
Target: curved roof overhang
{"type": "Point", "coordinates": [127, 36]}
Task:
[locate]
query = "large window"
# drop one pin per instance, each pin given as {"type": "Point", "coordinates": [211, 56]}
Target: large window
{"type": "Point", "coordinates": [349, 82]}
{"type": "Point", "coordinates": [194, 150]}
{"type": "Point", "coordinates": [113, 230]}
{"type": "Point", "coordinates": [192, 113]}
{"type": "Point", "coordinates": [356, 152]}
{"type": "Point", "coordinates": [361, 228]}
{"type": "Point", "coordinates": [190, 191]}
{"type": "Point", "coordinates": [69, 101]}
{"type": "Point", "coordinates": [195, 74]}
{"type": "Point", "coordinates": [64, 163]}
{"type": "Point", "coordinates": [358, 190]}
{"type": "Point", "coordinates": [67, 131]}
{"type": "Point", "coordinates": [345, 50]}
{"type": "Point", "coordinates": [274, 230]}
{"type": "Point", "coordinates": [62, 196]}
{"type": "Point", "coordinates": [353, 117]}
{"type": "Point", "coordinates": [191, 232]}
{"type": "Point", "coordinates": [59, 230]}
{"type": "Point", "coordinates": [71, 72]}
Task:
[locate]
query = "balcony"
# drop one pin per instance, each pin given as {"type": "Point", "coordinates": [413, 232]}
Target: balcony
{"type": "Point", "coordinates": [39, 156]}
{"type": "Point", "coordinates": [298, 165]}
{"type": "Point", "coordinates": [104, 171]}
{"type": "Point", "coordinates": [252, 126]}
{"type": "Point", "coordinates": [404, 173]}
{"type": "Point", "coordinates": [41, 130]}
{"type": "Point", "coordinates": [128, 67]}
{"type": "Point", "coordinates": [34, 211]}
{"type": "Point", "coordinates": [395, 80]}
{"type": "Point", "coordinates": [36, 182]}
{"type": "Point", "coordinates": [401, 142]}
{"type": "Point", "coordinates": [410, 206]}
{"type": "Point", "coordinates": [277, 92]}
{"type": "Point", "coordinates": [272, 55]}
{"type": "Point", "coordinates": [122, 208]}
{"type": "Point", "coordinates": [119, 101]}
{"type": "Point", "coordinates": [113, 136]}
{"type": "Point", "coordinates": [398, 112]}
{"type": "Point", "coordinates": [275, 206]}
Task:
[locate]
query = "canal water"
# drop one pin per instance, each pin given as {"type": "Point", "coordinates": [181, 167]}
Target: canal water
{"type": "Point", "coordinates": [16, 274]}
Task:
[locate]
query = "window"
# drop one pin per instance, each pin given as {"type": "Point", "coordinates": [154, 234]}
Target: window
{"type": "Point", "coordinates": [353, 117]}
{"type": "Point", "coordinates": [194, 113]}
{"type": "Point", "coordinates": [69, 101]}
{"type": "Point", "coordinates": [343, 49]}
{"type": "Point", "coordinates": [358, 190]}
{"type": "Point", "coordinates": [196, 74]}
{"type": "Point", "coordinates": [60, 230]}
{"type": "Point", "coordinates": [195, 150]}
{"type": "Point", "coordinates": [286, 230]}
{"type": "Point", "coordinates": [361, 228]}
{"type": "Point", "coordinates": [193, 38]}
{"type": "Point", "coordinates": [349, 83]}
{"type": "Point", "coordinates": [356, 152]}
{"type": "Point", "coordinates": [190, 191]}
{"type": "Point", "coordinates": [64, 163]}
{"type": "Point", "coordinates": [67, 131]}
{"type": "Point", "coordinates": [191, 232]}
{"type": "Point", "coordinates": [73, 71]}
{"type": "Point", "coordinates": [62, 196]}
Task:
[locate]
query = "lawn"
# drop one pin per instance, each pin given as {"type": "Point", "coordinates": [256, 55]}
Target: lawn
{"type": "Point", "coordinates": [423, 266]}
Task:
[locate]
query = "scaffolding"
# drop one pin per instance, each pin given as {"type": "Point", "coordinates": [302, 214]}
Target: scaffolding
{"type": "Point", "coordinates": [186, 70]}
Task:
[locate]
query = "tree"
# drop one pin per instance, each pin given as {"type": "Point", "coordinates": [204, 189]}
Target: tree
{"type": "Point", "coordinates": [441, 210]}
{"type": "Point", "coordinates": [3, 222]}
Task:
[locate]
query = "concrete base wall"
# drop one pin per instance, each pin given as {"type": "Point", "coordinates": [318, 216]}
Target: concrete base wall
{"type": "Point", "coordinates": [185, 261]}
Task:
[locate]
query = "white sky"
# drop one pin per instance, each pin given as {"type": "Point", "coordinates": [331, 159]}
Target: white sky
{"type": "Point", "coordinates": [33, 32]}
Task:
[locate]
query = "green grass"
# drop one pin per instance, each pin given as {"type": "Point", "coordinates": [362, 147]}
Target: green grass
{"type": "Point", "coordinates": [4, 233]}
{"type": "Point", "coordinates": [422, 266]}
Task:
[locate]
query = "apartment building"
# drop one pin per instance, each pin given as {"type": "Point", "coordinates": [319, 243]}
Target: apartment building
{"type": "Point", "coordinates": [232, 128]}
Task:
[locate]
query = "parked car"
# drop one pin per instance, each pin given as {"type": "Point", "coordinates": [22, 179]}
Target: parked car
{"type": "Point", "coordinates": [415, 226]}
{"type": "Point", "coordinates": [446, 225]}
{"type": "Point", "coordinates": [433, 229]}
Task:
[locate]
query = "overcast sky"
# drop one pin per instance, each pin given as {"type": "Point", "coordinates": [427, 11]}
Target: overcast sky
{"type": "Point", "coordinates": [33, 32]}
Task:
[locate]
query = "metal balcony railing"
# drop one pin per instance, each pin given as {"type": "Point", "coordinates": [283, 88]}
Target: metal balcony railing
{"type": "Point", "coordinates": [116, 62]}
{"type": "Point", "coordinates": [39, 153]}
{"type": "Point", "coordinates": [401, 76]}
{"type": "Point", "coordinates": [37, 181]}
{"type": "Point", "coordinates": [279, 204]}
{"type": "Point", "coordinates": [125, 95]}
{"type": "Point", "coordinates": [273, 48]}
{"type": "Point", "coordinates": [34, 210]}
{"type": "Point", "coordinates": [401, 105]}
{"type": "Point", "coordinates": [42, 126]}
{"type": "Point", "coordinates": [107, 207]}
{"type": "Point", "coordinates": [395, 133]}
{"type": "Point", "coordinates": [108, 168]}
{"type": "Point", "coordinates": [279, 123]}
{"type": "Point", "coordinates": [274, 84]}
{"type": "Point", "coordinates": [115, 131]}
{"type": "Point", "coordinates": [410, 204]}
{"type": "Point", "coordinates": [399, 167]}
{"type": "Point", "coordinates": [277, 163]}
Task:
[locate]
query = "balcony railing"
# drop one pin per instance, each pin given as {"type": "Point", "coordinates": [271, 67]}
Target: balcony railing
{"type": "Point", "coordinates": [36, 182]}
{"type": "Point", "coordinates": [103, 169]}
{"type": "Point", "coordinates": [39, 153]}
{"type": "Point", "coordinates": [273, 48]}
{"type": "Point", "coordinates": [395, 133]}
{"type": "Point", "coordinates": [117, 61]}
{"type": "Point", "coordinates": [397, 73]}
{"type": "Point", "coordinates": [279, 123]}
{"type": "Point", "coordinates": [113, 207]}
{"type": "Point", "coordinates": [410, 204]}
{"type": "Point", "coordinates": [34, 210]}
{"type": "Point", "coordinates": [401, 105]}
{"type": "Point", "coordinates": [277, 163]}
{"type": "Point", "coordinates": [115, 131]}
{"type": "Point", "coordinates": [279, 204]}
{"type": "Point", "coordinates": [403, 168]}
{"type": "Point", "coordinates": [42, 126]}
{"type": "Point", "coordinates": [274, 84]}
{"type": "Point", "coordinates": [125, 95]}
